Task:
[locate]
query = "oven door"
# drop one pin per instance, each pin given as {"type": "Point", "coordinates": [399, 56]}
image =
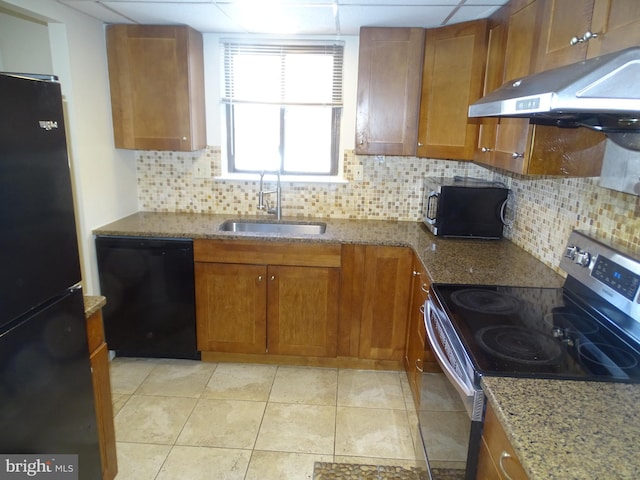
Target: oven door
{"type": "Point", "coordinates": [451, 405]}
{"type": "Point", "coordinates": [453, 359]}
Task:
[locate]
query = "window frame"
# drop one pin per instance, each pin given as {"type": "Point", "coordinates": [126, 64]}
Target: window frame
{"type": "Point", "coordinates": [337, 49]}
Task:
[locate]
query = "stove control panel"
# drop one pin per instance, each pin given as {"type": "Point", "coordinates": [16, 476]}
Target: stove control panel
{"type": "Point", "coordinates": [614, 275]}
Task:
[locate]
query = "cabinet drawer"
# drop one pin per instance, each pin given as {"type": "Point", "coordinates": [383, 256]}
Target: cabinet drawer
{"type": "Point", "coordinates": [500, 449]}
{"type": "Point", "coordinates": [267, 253]}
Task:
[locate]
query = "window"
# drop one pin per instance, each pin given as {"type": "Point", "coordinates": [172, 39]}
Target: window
{"type": "Point", "coordinates": [282, 106]}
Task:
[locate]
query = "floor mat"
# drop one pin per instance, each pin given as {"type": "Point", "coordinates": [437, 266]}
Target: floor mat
{"type": "Point", "coordinates": [346, 471]}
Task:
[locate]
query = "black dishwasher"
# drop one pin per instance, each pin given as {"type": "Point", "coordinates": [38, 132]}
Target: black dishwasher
{"type": "Point", "coordinates": [149, 285]}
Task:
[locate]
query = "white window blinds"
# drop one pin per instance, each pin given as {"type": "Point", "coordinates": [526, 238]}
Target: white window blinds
{"type": "Point", "coordinates": [302, 73]}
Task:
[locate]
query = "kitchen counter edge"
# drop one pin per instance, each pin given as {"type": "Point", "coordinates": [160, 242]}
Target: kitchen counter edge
{"type": "Point", "coordinates": [569, 429]}
{"type": "Point", "coordinates": [461, 261]}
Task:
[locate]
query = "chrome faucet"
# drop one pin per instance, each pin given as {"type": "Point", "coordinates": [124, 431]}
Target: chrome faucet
{"type": "Point", "coordinates": [264, 204]}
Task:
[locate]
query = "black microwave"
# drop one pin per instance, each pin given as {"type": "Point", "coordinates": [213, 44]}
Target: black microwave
{"type": "Point", "coordinates": [464, 207]}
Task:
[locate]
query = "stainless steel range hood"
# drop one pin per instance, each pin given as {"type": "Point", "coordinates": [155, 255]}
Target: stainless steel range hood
{"type": "Point", "coordinates": [601, 93]}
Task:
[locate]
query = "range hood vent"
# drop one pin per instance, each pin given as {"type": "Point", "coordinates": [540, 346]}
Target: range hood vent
{"type": "Point", "coordinates": [601, 93]}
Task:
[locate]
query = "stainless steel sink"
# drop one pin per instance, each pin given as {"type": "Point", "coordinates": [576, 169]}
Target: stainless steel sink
{"type": "Point", "coordinates": [283, 227]}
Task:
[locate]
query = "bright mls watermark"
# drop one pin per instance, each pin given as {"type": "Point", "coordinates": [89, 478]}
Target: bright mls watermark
{"type": "Point", "coordinates": [50, 467]}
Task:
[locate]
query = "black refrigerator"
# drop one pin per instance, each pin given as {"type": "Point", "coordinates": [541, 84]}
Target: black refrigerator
{"type": "Point", "coordinates": [46, 392]}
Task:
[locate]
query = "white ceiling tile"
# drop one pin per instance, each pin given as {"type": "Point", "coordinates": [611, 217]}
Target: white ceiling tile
{"type": "Point", "coordinates": [466, 13]}
{"type": "Point", "coordinates": [272, 16]}
{"type": "Point", "coordinates": [95, 10]}
{"type": "Point", "coordinates": [351, 17]}
{"type": "Point", "coordinates": [485, 2]}
{"type": "Point", "coordinates": [204, 17]}
{"type": "Point", "coordinates": [286, 19]}
{"type": "Point", "coordinates": [398, 3]}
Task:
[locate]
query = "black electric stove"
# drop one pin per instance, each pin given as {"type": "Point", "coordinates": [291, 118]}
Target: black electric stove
{"type": "Point", "coordinates": [541, 332]}
{"type": "Point", "coordinates": [589, 329]}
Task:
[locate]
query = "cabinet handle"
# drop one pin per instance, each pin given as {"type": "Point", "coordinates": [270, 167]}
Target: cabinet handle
{"type": "Point", "coordinates": [585, 38]}
{"type": "Point", "coordinates": [517, 155]}
{"type": "Point", "coordinates": [422, 309]}
{"type": "Point", "coordinates": [418, 367]}
{"type": "Point", "coordinates": [503, 456]}
{"type": "Point", "coordinates": [424, 288]}
{"type": "Point", "coordinates": [415, 274]}
{"type": "Point", "coordinates": [273, 277]}
{"type": "Point", "coordinates": [259, 278]}
{"type": "Point", "coordinates": [420, 144]}
{"type": "Point", "coordinates": [485, 150]}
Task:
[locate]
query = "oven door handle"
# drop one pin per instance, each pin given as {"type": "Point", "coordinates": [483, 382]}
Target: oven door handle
{"type": "Point", "coordinates": [465, 386]}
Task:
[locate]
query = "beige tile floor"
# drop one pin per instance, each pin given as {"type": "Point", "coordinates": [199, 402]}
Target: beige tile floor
{"type": "Point", "coordinates": [181, 419]}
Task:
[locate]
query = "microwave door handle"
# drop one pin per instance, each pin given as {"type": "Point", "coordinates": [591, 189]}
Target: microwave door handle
{"type": "Point", "coordinates": [432, 195]}
{"type": "Point", "coordinates": [441, 357]}
{"type": "Point", "coordinates": [503, 208]}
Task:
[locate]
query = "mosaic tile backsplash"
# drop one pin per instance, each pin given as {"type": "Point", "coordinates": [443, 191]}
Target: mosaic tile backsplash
{"type": "Point", "coordinates": [543, 210]}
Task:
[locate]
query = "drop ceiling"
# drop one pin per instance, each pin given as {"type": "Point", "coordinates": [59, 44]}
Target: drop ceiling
{"type": "Point", "coordinates": [299, 17]}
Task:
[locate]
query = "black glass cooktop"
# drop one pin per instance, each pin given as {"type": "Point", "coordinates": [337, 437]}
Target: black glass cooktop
{"type": "Point", "coordinates": [538, 332]}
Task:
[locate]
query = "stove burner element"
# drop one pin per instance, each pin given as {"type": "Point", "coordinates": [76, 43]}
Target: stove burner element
{"type": "Point", "coordinates": [572, 323]}
{"type": "Point", "coordinates": [486, 301]}
{"type": "Point", "coordinates": [606, 355]}
{"type": "Point", "coordinates": [519, 344]}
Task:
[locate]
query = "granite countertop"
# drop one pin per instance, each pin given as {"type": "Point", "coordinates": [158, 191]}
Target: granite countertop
{"type": "Point", "coordinates": [570, 429]}
{"type": "Point", "coordinates": [93, 303]}
{"type": "Point", "coordinates": [559, 429]}
{"type": "Point", "coordinates": [446, 260]}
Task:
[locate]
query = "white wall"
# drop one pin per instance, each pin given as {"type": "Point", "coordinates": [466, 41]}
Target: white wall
{"type": "Point", "coordinates": [31, 37]}
{"type": "Point", "coordinates": [104, 177]}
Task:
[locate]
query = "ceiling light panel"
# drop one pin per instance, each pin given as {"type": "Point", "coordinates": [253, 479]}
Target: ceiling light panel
{"type": "Point", "coordinates": [286, 18]}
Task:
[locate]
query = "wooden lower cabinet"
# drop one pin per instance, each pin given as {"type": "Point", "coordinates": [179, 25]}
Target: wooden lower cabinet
{"type": "Point", "coordinates": [279, 309]}
{"type": "Point", "coordinates": [99, 358]}
{"type": "Point", "coordinates": [417, 355]}
{"type": "Point", "coordinates": [302, 310]}
{"type": "Point", "coordinates": [385, 302]}
{"type": "Point", "coordinates": [231, 305]}
{"type": "Point", "coordinates": [497, 460]}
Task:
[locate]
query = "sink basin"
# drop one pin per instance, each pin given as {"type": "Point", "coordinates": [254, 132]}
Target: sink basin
{"type": "Point", "coordinates": [258, 226]}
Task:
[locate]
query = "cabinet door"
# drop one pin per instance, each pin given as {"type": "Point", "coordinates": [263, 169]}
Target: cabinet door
{"type": "Point", "coordinates": [388, 97]}
{"type": "Point", "coordinates": [415, 353]}
{"type": "Point", "coordinates": [513, 134]}
{"type": "Point", "coordinates": [387, 285]}
{"type": "Point", "coordinates": [231, 306]}
{"type": "Point", "coordinates": [561, 21]}
{"type": "Point", "coordinates": [492, 80]}
{"type": "Point", "coordinates": [617, 23]}
{"type": "Point", "coordinates": [499, 449]}
{"type": "Point", "coordinates": [104, 411]}
{"type": "Point", "coordinates": [156, 76]}
{"type": "Point", "coordinates": [302, 316]}
{"type": "Point", "coordinates": [454, 60]}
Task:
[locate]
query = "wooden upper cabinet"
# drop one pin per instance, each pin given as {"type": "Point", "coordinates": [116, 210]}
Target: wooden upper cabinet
{"type": "Point", "coordinates": [513, 135]}
{"type": "Point", "coordinates": [562, 21]}
{"type": "Point", "coordinates": [156, 76]}
{"type": "Point", "coordinates": [453, 68]}
{"type": "Point", "coordinates": [617, 24]}
{"type": "Point", "coordinates": [515, 144]}
{"type": "Point", "coordinates": [388, 97]}
{"type": "Point", "coordinates": [493, 78]}
{"type": "Point", "coordinates": [612, 25]}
